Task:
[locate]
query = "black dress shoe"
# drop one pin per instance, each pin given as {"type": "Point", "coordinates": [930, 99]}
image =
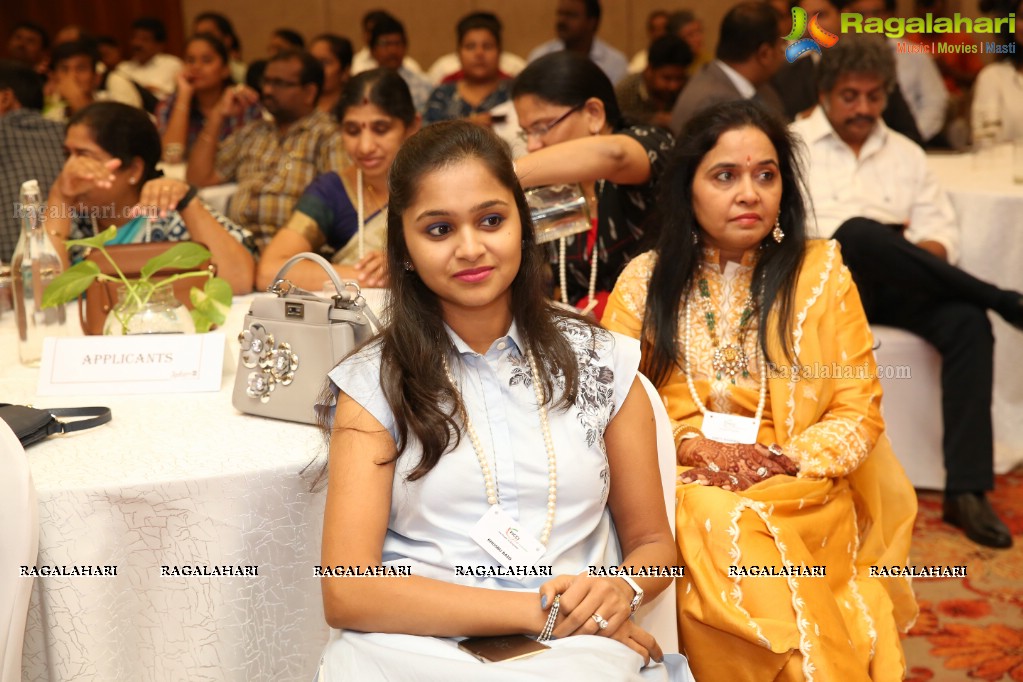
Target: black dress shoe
{"type": "Point", "coordinates": [1013, 313]}
{"type": "Point", "coordinates": [1017, 320]}
{"type": "Point", "coordinates": [973, 513]}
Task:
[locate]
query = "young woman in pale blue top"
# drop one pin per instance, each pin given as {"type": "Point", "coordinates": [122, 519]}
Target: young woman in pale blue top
{"type": "Point", "coordinates": [481, 394]}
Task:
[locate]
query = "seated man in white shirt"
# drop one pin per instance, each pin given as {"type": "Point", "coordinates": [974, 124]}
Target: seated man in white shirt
{"type": "Point", "coordinates": [576, 25]}
{"type": "Point", "coordinates": [872, 191]}
{"type": "Point", "coordinates": [919, 77]}
{"type": "Point", "coordinates": [77, 82]}
{"type": "Point", "coordinates": [388, 45]}
{"type": "Point", "coordinates": [148, 66]}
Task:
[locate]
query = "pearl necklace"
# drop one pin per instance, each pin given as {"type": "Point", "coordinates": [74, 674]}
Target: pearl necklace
{"type": "Point", "coordinates": [552, 462]}
{"type": "Point", "coordinates": [591, 302]}
{"type": "Point", "coordinates": [689, 373]}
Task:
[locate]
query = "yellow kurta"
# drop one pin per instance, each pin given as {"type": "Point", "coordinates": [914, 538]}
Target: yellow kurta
{"type": "Point", "coordinates": [851, 506]}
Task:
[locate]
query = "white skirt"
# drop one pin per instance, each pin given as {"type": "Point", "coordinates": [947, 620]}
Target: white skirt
{"type": "Point", "coordinates": [377, 656]}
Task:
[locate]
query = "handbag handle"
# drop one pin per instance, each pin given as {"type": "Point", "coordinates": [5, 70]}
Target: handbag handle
{"type": "Point", "coordinates": [98, 415]}
{"type": "Point", "coordinates": [339, 285]}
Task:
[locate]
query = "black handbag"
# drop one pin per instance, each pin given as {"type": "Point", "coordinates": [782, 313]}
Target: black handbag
{"type": "Point", "coordinates": [32, 425]}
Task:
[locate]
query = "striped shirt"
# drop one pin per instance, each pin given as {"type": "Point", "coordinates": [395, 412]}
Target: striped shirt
{"type": "Point", "coordinates": [272, 171]}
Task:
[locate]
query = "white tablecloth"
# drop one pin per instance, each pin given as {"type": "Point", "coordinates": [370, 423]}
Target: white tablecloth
{"type": "Point", "coordinates": [173, 480]}
{"type": "Point", "coordinates": [990, 210]}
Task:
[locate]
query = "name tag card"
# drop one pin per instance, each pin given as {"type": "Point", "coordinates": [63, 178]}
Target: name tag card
{"type": "Point", "coordinates": [502, 538]}
{"type": "Point", "coordinates": [115, 365]}
{"type": "Point", "coordinates": [730, 428]}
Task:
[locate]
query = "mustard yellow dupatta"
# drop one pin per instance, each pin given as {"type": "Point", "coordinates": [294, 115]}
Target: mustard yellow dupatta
{"type": "Point", "coordinates": [851, 508]}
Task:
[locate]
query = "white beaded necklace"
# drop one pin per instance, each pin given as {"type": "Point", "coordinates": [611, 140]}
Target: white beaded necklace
{"type": "Point", "coordinates": [591, 302]}
{"type": "Point", "coordinates": [552, 461]}
{"type": "Point", "coordinates": [689, 373]}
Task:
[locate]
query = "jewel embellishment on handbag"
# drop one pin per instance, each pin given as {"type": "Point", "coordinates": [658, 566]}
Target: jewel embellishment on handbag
{"type": "Point", "coordinates": [256, 343]}
{"type": "Point", "coordinates": [277, 365]}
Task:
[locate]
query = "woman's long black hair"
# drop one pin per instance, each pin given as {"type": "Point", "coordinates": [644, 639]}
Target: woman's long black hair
{"type": "Point", "coordinates": [427, 408]}
{"type": "Point", "coordinates": [678, 257]}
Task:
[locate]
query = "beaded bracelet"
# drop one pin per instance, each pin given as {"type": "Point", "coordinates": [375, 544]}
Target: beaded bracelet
{"type": "Point", "coordinates": [548, 627]}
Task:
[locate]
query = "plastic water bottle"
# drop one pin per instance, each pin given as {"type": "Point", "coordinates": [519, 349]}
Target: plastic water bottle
{"type": "Point", "coordinates": [35, 264]}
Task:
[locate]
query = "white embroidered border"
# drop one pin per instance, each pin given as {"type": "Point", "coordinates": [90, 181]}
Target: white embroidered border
{"type": "Point", "coordinates": [862, 605]}
{"type": "Point", "coordinates": [797, 334]}
{"type": "Point", "coordinates": [735, 554]}
{"type": "Point", "coordinates": [797, 603]}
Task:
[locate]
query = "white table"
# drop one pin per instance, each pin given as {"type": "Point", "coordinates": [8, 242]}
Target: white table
{"type": "Point", "coordinates": [990, 210]}
{"type": "Point", "coordinates": [173, 480]}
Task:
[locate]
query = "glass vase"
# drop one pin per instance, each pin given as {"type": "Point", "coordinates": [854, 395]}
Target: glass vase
{"type": "Point", "coordinates": [151, 311]}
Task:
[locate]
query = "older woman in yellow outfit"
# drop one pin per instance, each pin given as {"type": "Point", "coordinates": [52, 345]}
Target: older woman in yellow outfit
{"type": "Point", "coordinates": [762, 355]}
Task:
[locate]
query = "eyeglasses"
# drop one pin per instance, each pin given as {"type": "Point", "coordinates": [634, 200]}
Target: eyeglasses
{"type": "Point", "coordinates": [277, 83]}
{"type": "Point", "coordinates": [541, 129]}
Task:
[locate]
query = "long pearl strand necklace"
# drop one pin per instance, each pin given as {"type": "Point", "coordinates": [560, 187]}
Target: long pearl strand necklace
{"type": "Point", "coordinates": [552, 461]}
{"type": "Point", "coordinates": [591, 302]}
{"type": "Point", "coordinates": [689, 372]}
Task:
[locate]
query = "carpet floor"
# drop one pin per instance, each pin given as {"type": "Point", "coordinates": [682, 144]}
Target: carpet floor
{"type": "Point", "coordinates": [969, 628]}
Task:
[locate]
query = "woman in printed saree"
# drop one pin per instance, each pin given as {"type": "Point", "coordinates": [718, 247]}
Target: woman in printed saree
{"type": "Point", "coordinates": [345, 211]}
{"type": "Point", "coordinates": [110, 178]}
{"type": "Point", "coordinates": [788, 492]}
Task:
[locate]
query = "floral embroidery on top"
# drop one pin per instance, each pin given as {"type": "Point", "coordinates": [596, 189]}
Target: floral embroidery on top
{"type": "Point", "coordinates": [595, 398]}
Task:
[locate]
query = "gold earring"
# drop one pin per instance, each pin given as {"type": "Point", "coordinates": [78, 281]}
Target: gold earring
{"type": "Point", "coordinates": [777, 232]}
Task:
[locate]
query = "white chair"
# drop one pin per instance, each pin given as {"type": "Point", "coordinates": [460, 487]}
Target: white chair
{"type": "Point", "coordinates": [912, 405]}
{"type": "Point", "coordinates": [659, 616]}
{"type": "Point", "coordinates": [19, 543]}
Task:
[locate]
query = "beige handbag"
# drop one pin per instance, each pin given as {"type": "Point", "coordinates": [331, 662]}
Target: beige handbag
{"type": "Point", "coordinates": [290, 341]}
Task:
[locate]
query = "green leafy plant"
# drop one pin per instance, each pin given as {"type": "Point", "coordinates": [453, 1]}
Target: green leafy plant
{"type": "Point", "coordinates": [210, 304]}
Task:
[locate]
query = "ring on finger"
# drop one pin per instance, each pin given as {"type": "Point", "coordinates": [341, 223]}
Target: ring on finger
{"type": "Point", "coordinates": [762, 472]}
{"type": "Point", "coordinates": [601, 623]}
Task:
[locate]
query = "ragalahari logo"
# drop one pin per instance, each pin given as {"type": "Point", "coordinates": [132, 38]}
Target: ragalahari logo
{"type": "Point", "coordinates": [819, 37]}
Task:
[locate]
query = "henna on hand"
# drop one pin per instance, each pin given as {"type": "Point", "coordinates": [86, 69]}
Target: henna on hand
{"type": "Point", "coordinates": [753, 462]}
{"type": "Point", "coordinates": [719, 479]}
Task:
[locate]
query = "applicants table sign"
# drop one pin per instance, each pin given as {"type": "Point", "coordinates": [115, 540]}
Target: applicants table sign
{"type": "Point", "coordinates": [111, 365]}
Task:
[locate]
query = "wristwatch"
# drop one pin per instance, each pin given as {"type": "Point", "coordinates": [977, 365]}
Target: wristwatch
{"type": "Point", "coordinates": [636, 600]}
